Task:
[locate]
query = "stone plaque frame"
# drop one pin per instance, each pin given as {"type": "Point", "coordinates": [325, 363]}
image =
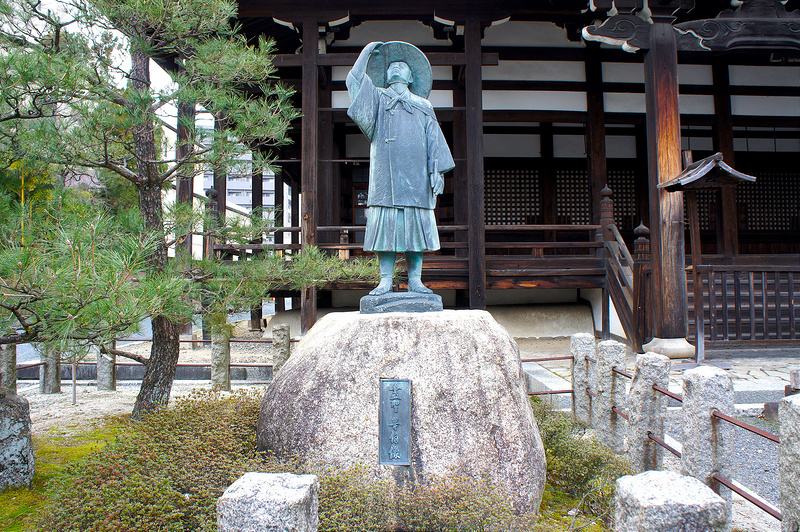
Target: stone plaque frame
{"type": "Point", "coordinates": [394, 422]}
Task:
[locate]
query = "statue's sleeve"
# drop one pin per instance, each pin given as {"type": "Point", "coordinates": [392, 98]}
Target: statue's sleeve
{"type": "Point", "coordinates": [364, 103]}
{"type": "Point", "coordinates": [439, 157]}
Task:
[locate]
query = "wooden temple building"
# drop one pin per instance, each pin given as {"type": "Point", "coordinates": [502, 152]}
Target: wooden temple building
{"type": "Point", "coordinates": [563, 117]}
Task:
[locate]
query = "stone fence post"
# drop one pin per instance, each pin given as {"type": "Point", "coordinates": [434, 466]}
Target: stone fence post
{"type": "Point", "coordinates": [8, 367]}
{"type": "Point", "coordinates": [647, 410]}
{"type": "Point", "coordinates": [270, 502]}
{"type": "Point", "coordinates": [611, 390]}
{"type": "Point", "coordinates": [581, 347]}
{"type": "Point", "coordinates": [281, 346]}
{"type": "Point", "coordinates": [707, 444]}
{"type": "Point", "coordinates": [789, 460]}
{"type": "Point", "coordinates": [221, 360]}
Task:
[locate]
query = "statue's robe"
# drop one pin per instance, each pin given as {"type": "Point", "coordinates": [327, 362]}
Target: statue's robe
{"type": "Point", "coordinates": [407, 153]}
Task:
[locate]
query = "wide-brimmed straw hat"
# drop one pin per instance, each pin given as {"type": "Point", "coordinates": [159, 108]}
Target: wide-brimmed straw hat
{"type": "Point", "coordinates": [390, 52]}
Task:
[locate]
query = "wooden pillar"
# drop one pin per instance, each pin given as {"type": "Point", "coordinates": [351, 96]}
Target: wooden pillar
{"type": "Point", "coordinates": [474, 152]}
{"type": "Point", "coordinates": [640, 183]}
{"type": "Point", "coordinates": [221, 179]}
{"type": "Point", "coordinates": [547, 175]}
{"type": "Point", "coordinates": [185, 181]}
{"type": "Point", "coordinates": [723, 140]}
{"type": "Point", "coordinates": [595, 131]}
{"type": "Point", "coordinates": [666, 209]}
{"type": "Point", "coordinates": [460, 182]}
{"type": "Point", "coordinates": [256, 205]}
{"type": "Point", "coordinates": [325, 189]}
{"type": "Point", "coordinates": [309, 161]}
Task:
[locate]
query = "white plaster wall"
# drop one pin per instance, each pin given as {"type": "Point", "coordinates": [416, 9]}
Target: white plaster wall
{"type": "Point", "coordinates": [569, 146]}
{"type": "Point", "coordinates": [617, 102]}
{"type": "Point", "coordinates": [696, 104]}
{"type": "Point", "coordinates": [595, 298]}
{"type": "Point", "coordinates": [391, 30]}
{"type": "Point", "coordinates": [339, 73]}
{"type": "Point", "coordinates": [536, 100]}
{"type": "Point", "coordinates": [765, 105]}
{"type": "Point", "coordinates": [620, 147]}
{"type": "Point", "coordinates": [536, 71]}
{"type": "Point", "coordinates": [773, 76]}
{"type": "Point", "coordinates": [526, 33]}
{"type": "Point", "coordinates": [695, 74]}
{"type": "Point", "coordinates": [623, 72]}
{"type": "Point", "coordinates": [495, 145]}
{"type": "Point", "coordinates": [438, 98]}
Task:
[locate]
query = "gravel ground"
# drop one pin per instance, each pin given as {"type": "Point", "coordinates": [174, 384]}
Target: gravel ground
{"type": "Point", "coordinates": [755, 465]}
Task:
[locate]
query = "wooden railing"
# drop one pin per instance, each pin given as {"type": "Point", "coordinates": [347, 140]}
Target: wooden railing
{"type": "Point", "coordinates": [750, 303]}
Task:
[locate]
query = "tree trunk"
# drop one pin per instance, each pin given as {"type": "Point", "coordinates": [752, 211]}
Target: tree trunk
{"type": "Point", "coordinates": [8, 367]}
{"type": "Point", "coordinates": [160, 372]}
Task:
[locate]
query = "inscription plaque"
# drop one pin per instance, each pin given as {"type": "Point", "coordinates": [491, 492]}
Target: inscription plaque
{"type": "Point", "coordinates": [394, 422]}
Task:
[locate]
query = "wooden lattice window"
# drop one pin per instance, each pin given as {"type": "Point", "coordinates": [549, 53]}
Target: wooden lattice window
{"type": "Point", "coordinates": [773, 201]}
{"type": "Point", "coordinates": [622, 182]}
{"type": "Point", "coordinates": [572, 193]}
{"type": "Point", "coordinates": [511, 196]}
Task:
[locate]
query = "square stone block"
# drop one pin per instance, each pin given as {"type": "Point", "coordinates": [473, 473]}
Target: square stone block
{"type": "Point", "coordinates": [664, 501]}
{"type": "Point", "coordinates": [269, 502]}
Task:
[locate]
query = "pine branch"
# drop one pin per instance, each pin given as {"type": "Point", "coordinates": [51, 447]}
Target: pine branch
{"type": "Point", "coordinates": [120, 353]}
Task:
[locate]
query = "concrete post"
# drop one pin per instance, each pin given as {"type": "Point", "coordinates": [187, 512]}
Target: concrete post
{"type": "Point", "coordinates": [581, 346]}
{"type": "Point", "coordinates": [647, 410]}
{"type": "Point", "coordinates": [50, 372]}
{"type": "Point", "coordinates": [8, 367]}
{"type": "Point", "coordinates": [790, 463]}
{"type": "Point", "coordinates": [220, 361]}
{"type": "Point", "coordinates": [707, 440]}
{"type": "Point", "coordinates": [107, 371]}
{"type": "Point", "coordinates": [610, 389]}
{"type": "Point", "coordinates": [281, 346]}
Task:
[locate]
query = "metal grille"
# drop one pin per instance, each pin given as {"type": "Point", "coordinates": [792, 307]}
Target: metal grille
{"type": "Point", "coordinates": [572, 193]}
{"type": "Point", "coordinates": [511, 197]}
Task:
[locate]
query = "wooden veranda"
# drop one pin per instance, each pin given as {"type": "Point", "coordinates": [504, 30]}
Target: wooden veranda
{"type": "Point", "coordinates": [517, 213]}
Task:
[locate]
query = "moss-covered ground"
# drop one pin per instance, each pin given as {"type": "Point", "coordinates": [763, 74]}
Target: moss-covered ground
{"type": "Point", "coordinates": [165, 474]}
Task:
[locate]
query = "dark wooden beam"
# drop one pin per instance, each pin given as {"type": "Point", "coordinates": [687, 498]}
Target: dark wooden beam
{"type": "Point", "coordinates": [595, 132]}
{"type": "Point", "coordinates": [723, 140]}
{"type": "Point", "coordinates": [309, 165]}
{"type": "Point", "coordinates": [666, 209]}
{"type": "Point", "coordinates": [547, 174]}
{"type": "Point", "coordinates": [474, 155]}
{"type": "Point", "coordinates": [221, 179]}
{"type": "Point", "coordinates": [347, 59]}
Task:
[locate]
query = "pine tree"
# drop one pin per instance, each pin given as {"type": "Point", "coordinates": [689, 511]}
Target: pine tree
{"type": "Point", "coordinates": [76, 91]}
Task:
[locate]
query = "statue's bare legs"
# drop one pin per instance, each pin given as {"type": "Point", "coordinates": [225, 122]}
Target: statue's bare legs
{"type": "Point", "coordinates": [414, 262]}
{"type": "Point", "coordinates": [386, 262]}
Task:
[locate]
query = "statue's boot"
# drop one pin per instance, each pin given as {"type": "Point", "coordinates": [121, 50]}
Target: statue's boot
{"type": "Point", "coordinates": [414, 262]}
{"type": "Point", "coordinates": [386, 262]}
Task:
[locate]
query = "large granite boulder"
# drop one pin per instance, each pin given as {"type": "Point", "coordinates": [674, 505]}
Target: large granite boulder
{"type": "Point", "coordinates": [470, 414]}
{"type": "Point", "coordinates": [16, 448]}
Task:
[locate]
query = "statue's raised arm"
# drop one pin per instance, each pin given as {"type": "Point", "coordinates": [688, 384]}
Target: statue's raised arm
{"type": "Point", "coordinates": [388, 86]}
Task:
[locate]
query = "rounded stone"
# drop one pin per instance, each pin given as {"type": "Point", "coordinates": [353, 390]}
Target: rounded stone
{"type": "Point", "coordinates": [470, 414]}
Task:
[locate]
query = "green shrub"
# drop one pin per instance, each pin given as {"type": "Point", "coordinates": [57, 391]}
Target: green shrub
{"type": "Point", "coordinates": [166, 472]}
{"type": "Point", "coordinates": [576, 463]}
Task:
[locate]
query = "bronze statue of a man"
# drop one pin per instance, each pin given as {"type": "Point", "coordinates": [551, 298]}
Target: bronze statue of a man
{"type": "Point", "coordinates": [388, 87]}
